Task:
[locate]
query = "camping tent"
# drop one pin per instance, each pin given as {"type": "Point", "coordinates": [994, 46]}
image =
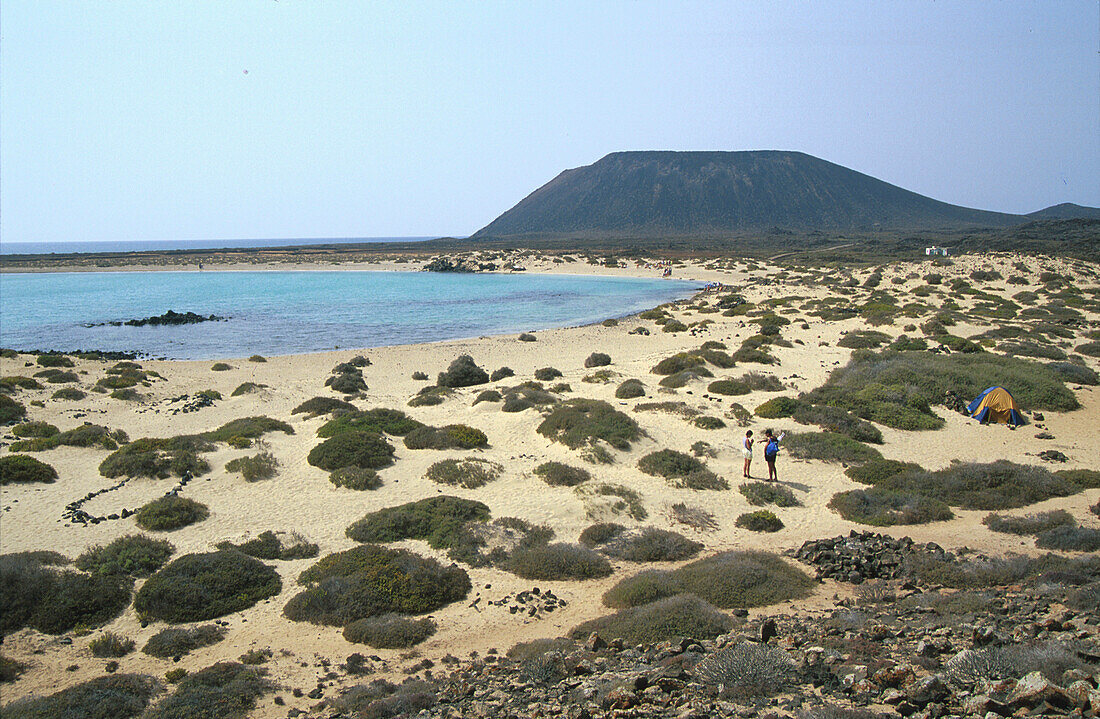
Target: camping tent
{"type": "Point", "coordinates": [995, 405]}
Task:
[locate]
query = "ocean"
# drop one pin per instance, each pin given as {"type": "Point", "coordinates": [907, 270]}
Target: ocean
{"type": "Point", "coordinates": [278, 313]}
{"type": "Point", "coordinates": [46, 248]}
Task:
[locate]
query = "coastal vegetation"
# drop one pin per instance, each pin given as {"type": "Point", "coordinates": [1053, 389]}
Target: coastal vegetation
{"type": "Point", "coordinates": [198, 587]}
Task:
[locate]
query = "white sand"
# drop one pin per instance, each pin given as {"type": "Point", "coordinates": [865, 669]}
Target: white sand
{"type": "Point", "coordinates": [301, 498]}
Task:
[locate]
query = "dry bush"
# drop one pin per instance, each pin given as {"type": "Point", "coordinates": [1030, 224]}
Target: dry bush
{"type": "Point", "coordinates": [745, 670]}
{"type": "Point", "coordinates": [695, 517]}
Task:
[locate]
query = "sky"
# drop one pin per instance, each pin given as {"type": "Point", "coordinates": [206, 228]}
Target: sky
{"type": "Point", "coordinates": [180, 120]}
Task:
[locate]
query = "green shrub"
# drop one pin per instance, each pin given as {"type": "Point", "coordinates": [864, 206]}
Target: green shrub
{"type": "Point", "coordinates": [369, 580]}
{"type": "Point", "coordinates": [877, 470]}
{"type": "Point", "coordinates": [678, 363]}
{"type": "Point", "coordinates": [553, 562]}
{"type": "Point", "coordinates": [677, 616]}
{"type": "Point", "coordinates": [682, 469]}
{"type": "Point", "coordinates": [597, 359]}
{"type": "Point", "coordinates": [557, 474]}
{"type": "Point", "coordinates": [229, 688]}
{"type": "Point", "coordinates": [600, 533]}
{"type": "Point", "coordinates": [268, 545]}
{"type": "Point", "coordinates": [197, 587]}
{"type": "Point", "coordinates": [170, 512]}
{"type": "Point", "coordinates": [118, 696]}
{"type": "Point", "coordinates": [863, 339]}
{"type": "Point", "coordinates": [706, 422]}
{"type": "Point", "coordinates": [759, 521]}
{"type": "Point", "coordinates": [347, 382]}
{"type": "Point", "coordinates": [488, 395]}
{"type": "Point", "coordinates": [1074, 373]}
{"type": "Point", "coordinates": [680, 379]}
{"type": "Point", "coordinates": [673, 325]}
{"type": "Point", "coordinates": [646, 545]}
{"type": "Point", "coordinates": [829, 447]}
{"type": "Point", "coordinates": [357, 478]}
{"type": "Point", "coordinates": [176, 642]}
{"type": "Point", "coordinates": [757, 356]}
{"type": "Point", "coordinates": [453, 436]}
{"type": "Point", "coordinates": [836, 419]}
{"type": "Point", "coordinates": [546, 374]}
{"type": "Point", "coordinates": [1029, 524]}
{"type": "Point", "coordinates": [247, 388]}
{"type": "Point", "coordinates": [317, 406]}
{"type": "Point", "coordinates": [726, 580]}
{"type": "Point", "coordinates": [630, 389]}
{"type": "Point", "coordinates": [54, 360]}
{"type": "Point", "coordinates": [251, 427]}
{"type": "Point", "coordinates": [69, 393]}
{"type": "Point", "coordinates": [466, 473]}
{"type": "Point", "coordinates": [760, 494]}
{"type": "Point", "coordinates": [36, 595]}
{"type": "Point", "coordinates": [1084, 478]}
{"type": "Point", "coordinates": [13, 383]}
{"type": "Point", "coordinates": [1069, 538]}
{"type": "Point", "coordinates": [110, 644]}
{"type": "Point", "coordinates": [127, 395]}
{"type": "Point", "coordinates": [133, 555]}
{"type": "Point", "coordinates": [462, 372]}
{"type": "Point", "coordinates": [34, 429]}
{"type": "Point", "coordinates": [389, 631]}
{"type": "Point", "coordinates": [998, 485]}
{"type": "Point", "coordinates": [527, 337]}
{"type": "Point", "coordinates": [1092, 349]}
{"type": "Point", "coordinates": [435, 519]}
{"type": "Point", "coordinates": [579, 422]}
{"type": "Point", "coordinates": [158, 458]}
{"type": "Point", "coordinates": [352, 448]}
{"type": "Point", "coordinates": [728, 387]}
{"type": "Point", "coordinates": [501, 373]}
{"type": "Point", "coordinates": [21, 469]}
{"type": "Point", "coordinates": [254, 468]}
{"type": "Point", "coordinates": [10, 410]}
{"type": "Point", "coordinates": [777, 407]}
{"type": "Point", "coordinates": [885, 508]}
{"type": "Point", "coordinates": [378, 420]}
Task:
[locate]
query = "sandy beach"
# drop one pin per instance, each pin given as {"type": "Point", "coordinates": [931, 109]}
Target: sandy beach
{"type": "Point", "coordinates": [300, 498]}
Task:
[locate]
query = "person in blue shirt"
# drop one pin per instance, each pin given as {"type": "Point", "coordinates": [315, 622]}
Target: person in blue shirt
{"type": "Point", "coordinates": [771, 450]}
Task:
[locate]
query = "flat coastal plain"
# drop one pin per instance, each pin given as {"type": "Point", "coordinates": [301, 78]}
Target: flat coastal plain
{"type": "Point", "coordinates": [972, 297]}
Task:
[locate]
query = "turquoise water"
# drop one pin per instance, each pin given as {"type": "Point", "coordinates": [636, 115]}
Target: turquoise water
{"type": "Point", "coordinates": [277, 313]}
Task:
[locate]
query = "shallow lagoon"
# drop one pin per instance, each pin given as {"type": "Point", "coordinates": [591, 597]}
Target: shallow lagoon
{"type": "Point", "coordinates": [278, 313]}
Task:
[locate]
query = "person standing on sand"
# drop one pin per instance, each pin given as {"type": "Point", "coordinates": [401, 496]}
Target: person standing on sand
{"type": "Point", "coordinates": [746, 450]}
{"type": "Point", "coordinates": [771, 450]}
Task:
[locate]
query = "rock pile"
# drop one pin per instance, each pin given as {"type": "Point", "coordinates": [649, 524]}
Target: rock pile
{"type": "Point", "coordinates": [863, 555]}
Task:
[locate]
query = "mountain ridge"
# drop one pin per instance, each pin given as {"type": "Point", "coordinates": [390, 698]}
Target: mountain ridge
{"type": "Point", "coordinates": [660, 193]}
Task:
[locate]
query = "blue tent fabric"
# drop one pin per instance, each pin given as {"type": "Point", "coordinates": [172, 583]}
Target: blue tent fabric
{"type": "Point", "coordinates": [978, 400]}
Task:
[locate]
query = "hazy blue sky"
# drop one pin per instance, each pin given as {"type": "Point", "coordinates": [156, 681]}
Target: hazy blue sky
{"type": "Point", "coordinates": [295, 118]}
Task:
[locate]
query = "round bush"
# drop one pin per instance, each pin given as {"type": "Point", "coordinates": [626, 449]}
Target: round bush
{"type": "Point", "coordinates": [557, 474]}
{"type": "Point", "coordinates": [21, 469]}
{"type": "Point", "coordinates": [389, 631]}
{"type": "Point", "coordinates": [453, 436]}
{"type": "Point", "coordinates": [777, 407]}
{"type": "Point", "coordinates": [467, 473]}
{"type": "Point", "coordinates": [649, 545]}
{"type": "Point", "coordinates": [462, 372]}
{"type": "Point", "coordinates": [884, 508]}
{"type": "Point", "coordinates": [677, 616]}
{"type": "Point", "coordinates": [728, 387]}
{"type": "Point", "coordinates": [630, 389]}
{"type": "Point", "coordinates": [552, 562]}
{"type": "Point", "coordinates": [545, 374]}
{"type": "Point", "coordinates": [170, 512]}
{"type": "Point", "coordinates": [70, 393]}
{"type": "Point", "coordinates": [829, 447]}
{"type": "Point", "coordinates": [759, 521]}
{"type": "Point", "coordinates": [178, 641]}
{"type": "Point", "coordinates": [705, 422]}
{"type": "Point", "coordinates": [357, 478]}
{"type": "Point", "coordinates": [597, 359]}
{"type": "Point", "coordinates": [34, 429]}
{"type": "Point", "coordinates": [38, 596]}
{"type": "Point", "coordinates": [10, 410]}
{"type": "Point", "coordinates": [580, 422]}
{"type": "Point", "coordinates": [134, 555]}
{"type": "Point", "coordinates": [879, 470]}
{"type": "Point", "coordinates": [110, 644]}
{"type": "Point", "coordinates": [1068, 538]}
{"type": "Point", "coordinates": [369, 580]}
{"type": "Point", "coordinates": [352, 449]}
{"type": "Point", "coordinates": [1074, 373]}
{"type": "Point", "coordinates": [501, 373]}
{"type": "Point", "coordinates": [600, 533]}
{"type": "Point", "coordinates": [197, 587]}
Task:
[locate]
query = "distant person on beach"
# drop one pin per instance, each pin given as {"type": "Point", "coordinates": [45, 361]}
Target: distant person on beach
{"type": "Point", "coordinates": [771, 450]}
{"type": "Point", "coordinates": [746, 450]}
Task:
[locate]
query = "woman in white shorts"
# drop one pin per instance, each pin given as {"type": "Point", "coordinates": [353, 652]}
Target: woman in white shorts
{"type": "Point", "coordinates": [746, 450]}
